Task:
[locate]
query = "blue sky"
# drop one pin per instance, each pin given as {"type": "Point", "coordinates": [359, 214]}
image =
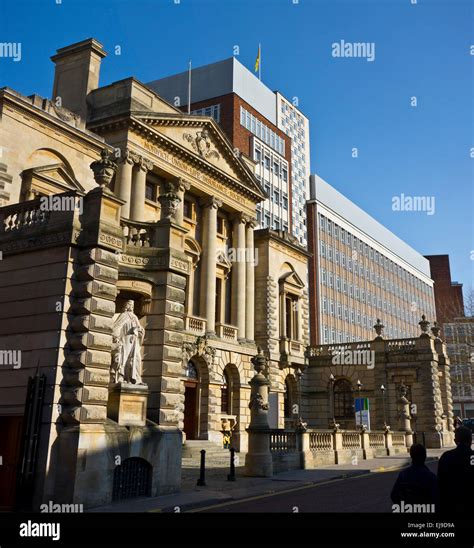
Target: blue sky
{"type": "Point", "coordinates": [421, 51]}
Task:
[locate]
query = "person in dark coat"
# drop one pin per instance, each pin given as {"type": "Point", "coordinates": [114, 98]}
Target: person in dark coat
{"type": "Point", "coordinates": [416, 484]}
{"type": "Point", "coordinates": [456, 475]}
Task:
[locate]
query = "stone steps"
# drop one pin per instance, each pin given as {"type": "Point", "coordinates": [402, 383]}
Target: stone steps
{"type": "Point", "coordinates": [192, 449]}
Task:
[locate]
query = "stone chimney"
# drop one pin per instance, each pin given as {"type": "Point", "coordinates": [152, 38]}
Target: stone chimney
{"type": "Point", "coordinates": [77, 74]}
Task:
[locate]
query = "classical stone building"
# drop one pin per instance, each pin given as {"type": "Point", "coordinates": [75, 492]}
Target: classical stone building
{"type": "Point", "coordinates": [405, 382]}
{"type": "Point", "coordinates": [134, 288]}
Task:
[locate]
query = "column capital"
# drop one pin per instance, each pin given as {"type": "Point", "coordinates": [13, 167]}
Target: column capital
{"type": "Point", "coordinates": [143, 163]}
{"type": "Point", "coordinates": [181, 185]}
{"type": "Point", "coordinates": [239, 218]}
{"type": "Point", "coordinates": [211, 202]}
{"type": "Point", "coordinates": [251, 222]}
{"type": "Point", "coordinates": [126, 156]}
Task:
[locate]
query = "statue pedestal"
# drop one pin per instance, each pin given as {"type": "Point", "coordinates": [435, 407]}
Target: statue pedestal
{"type": "Point", "coordinates": [127, 404]}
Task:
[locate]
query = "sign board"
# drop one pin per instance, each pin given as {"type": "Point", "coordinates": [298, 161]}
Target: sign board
{"type": "Point", "coordinates": [362, 410]}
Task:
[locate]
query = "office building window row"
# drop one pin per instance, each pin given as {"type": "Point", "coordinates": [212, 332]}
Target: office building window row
{"type": "Point", "coordinates": [214, 111]}
{"type": "Point", "coordinates": [262, 131]}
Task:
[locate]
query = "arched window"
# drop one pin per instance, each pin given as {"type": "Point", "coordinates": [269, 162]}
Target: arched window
{"type": "Point", "coordinates": [226, 394]}
{"type": "Point", "coordinates": [343, 399]}
{"type": "Point", "coordinates": [191, 371]}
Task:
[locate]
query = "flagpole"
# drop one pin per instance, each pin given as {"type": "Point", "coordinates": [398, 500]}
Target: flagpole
{"type": "Point", "coordinates": [189, 89]}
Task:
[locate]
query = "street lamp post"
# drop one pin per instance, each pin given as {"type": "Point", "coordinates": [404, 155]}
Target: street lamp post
{"type": "Point", "coordinates": [359, 386]}
{"type": "Point", "coordinates": [333, 408]}
{"type": "Point", "coordinates": [383, 405]}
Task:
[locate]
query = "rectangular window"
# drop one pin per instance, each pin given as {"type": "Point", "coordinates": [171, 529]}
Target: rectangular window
{"type": "Point", "coordinates": [188, 209]}
{"type": "Point", "coordinates": [151, 192]}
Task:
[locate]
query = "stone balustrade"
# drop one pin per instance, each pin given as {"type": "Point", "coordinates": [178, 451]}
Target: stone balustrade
{"type": "Point", "coordinates": [22, 216]}
{"type": "Point", "coordinates": [195, 325]}
{"type": "Point", "coordinates": [321, 441]}
{"type": "Point", "coordinates": [331, 349]}
{"type": "Point", "coordinates": [376, 439]}
{"type": "Point", "coordinates": [312, 448]}
{"type": "Point", "coordinates": [137, 234]}
{"type": "Point", "coordinates": [351, 440]}
{"type": "Point", "coordinates": [400, 345]}
{"type": "Point", "coordinates": [227, 332]}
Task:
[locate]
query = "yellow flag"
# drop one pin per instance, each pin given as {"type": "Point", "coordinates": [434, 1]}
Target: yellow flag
{"type": "Point", "coordinates": [257, 61]}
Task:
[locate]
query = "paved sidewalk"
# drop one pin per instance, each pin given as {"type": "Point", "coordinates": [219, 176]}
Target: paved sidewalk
{"type": "Point", "coordinates": [219, 490]}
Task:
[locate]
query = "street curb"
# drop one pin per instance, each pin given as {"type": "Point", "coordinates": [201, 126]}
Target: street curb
{"type": "Point", "coordinates": [202, 505]}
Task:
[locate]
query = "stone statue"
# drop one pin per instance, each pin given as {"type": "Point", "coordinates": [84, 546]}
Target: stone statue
{"type": "Point", "coordinates": [127, 339]}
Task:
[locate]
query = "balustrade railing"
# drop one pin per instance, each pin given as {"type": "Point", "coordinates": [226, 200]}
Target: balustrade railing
{"type": "Point", "coordinates": [21, 216]}
{"type": "Point", "coordinates": [195, 325]}
{"type": "Point", "coordinates": [398, 439]}
{"type": "Point", "coordinates": [351, 440]}
{"type": "Point", "coordinates": [320, 441]}
{"type": "Point", "coordinates": [330, 349]}
{"type": "Point", "coordinates": [402, 345]}
{"type": "Point", "coordinates": [227, 332]}
{"type": "Point", "coordinates": [137, 234]}
{"type": "Point", "coordinates": [376, 439]}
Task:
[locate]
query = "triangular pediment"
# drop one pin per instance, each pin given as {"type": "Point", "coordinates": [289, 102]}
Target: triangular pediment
{"type": "Point", "coordinates": [202, 138]}
{"type": "Point", "coordinates": [50, 179]}
{"type": "Point", "coordinates": [293, 279]}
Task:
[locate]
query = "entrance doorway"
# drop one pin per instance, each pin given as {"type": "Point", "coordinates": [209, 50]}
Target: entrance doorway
{"type": "Point", "coordinates": [190, 410]}
{"type": "Point", "coordinates": [191, 401]}
{"type": "Point", "coordinates": [10, 447]}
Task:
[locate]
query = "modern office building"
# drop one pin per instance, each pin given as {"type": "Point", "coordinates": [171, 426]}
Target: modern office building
{"type": "Point", "coordinates": [261, 124]}
{"type": "Point", "coordinates": [295, 124]}
{"type": "Point", "coordinates": [360, 271]}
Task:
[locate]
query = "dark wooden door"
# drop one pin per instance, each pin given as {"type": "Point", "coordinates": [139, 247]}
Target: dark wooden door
{"type": "Point", "coordinates": [190, 410]}
{"type": "Point", "coordinates": [10, 446]}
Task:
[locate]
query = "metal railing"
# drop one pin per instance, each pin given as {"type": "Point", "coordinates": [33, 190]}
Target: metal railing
{"type": "Point", "coordinates": [282, 442]}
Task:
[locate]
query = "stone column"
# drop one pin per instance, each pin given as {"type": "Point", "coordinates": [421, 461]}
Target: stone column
{"type": "Point", "coordinates": [208, 265]}
{"type": "Point", "coordinates": [250, 281]}
{"type": "Point", "coordinates": [137, 207]}
{"type": "Point", "coordinates": [123, 187]}
{"type": "Point", "coordinates": [258, 461]}
{"type": "Point", "coordinates": [181, 187]}
{"type": "Point", "coordinates": [238, 274]}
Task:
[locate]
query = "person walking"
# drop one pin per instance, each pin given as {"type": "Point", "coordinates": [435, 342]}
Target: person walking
{"type": "Point", "coordinates": [456, 475]}
{"type": "Point", "coordinates": [416, 484]}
